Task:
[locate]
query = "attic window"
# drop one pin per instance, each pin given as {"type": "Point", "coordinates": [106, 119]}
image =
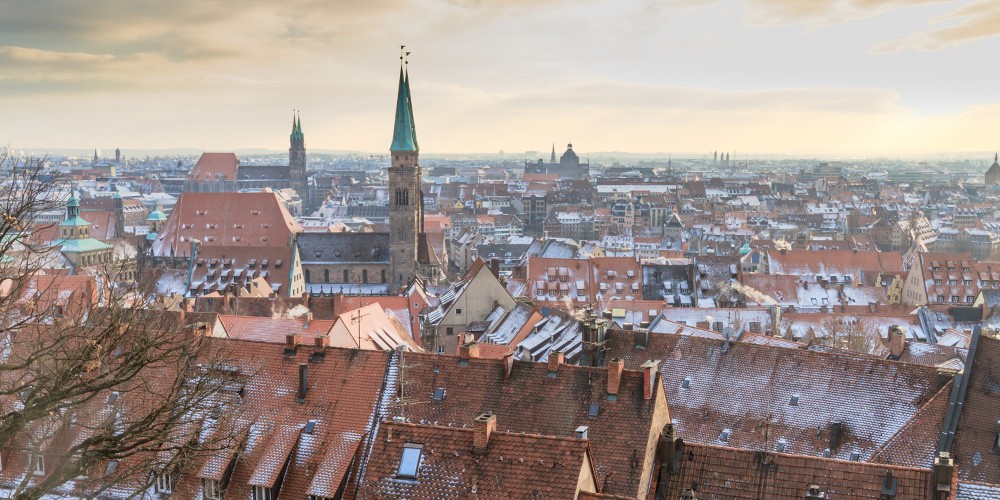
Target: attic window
{"type": "Point", "coordinates": [855, 456]}
{"type": "Point", "coordinates": [724, 437]}
{"type": "Point", "coordinates": [686, 383]}
{"type": "Point", "coordinates": [439, 394]}
{"type": "Point", "coordinates": [594, 410]}
{"type": "Point", "coordinates": [781, 446]}
{"type": "Point", "coordinates": [409, 461]}
{"type": "Point", "coordinates": [794, 400]}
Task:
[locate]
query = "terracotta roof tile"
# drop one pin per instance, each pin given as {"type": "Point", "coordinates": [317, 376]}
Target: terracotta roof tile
{"type": "Point", "coordinates": [974, 451]}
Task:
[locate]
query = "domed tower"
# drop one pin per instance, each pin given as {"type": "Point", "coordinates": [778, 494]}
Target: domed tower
{"type": "Point", "coordinates": [993, 174]}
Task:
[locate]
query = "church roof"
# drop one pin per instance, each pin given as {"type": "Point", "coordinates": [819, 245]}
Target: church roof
{"type": "Point", "coordinates": [215, 167]}
{"type": "Point", "coordinates": [69, 245]}
{"type": "Point", "coordinates": [404, 134]}
{"type": "Point", "coordinates": [319, 248]}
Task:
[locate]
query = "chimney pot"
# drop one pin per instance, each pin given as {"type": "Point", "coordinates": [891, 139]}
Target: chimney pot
{"type": "Point", "coordinates": [306, 319]}
{"type": "Point", "coordinates": [485, 424]}
{"type": "Point", "coordinates": [615, 367]}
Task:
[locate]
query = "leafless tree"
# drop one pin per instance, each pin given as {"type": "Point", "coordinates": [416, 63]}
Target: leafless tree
{"type": "Point", "coordinates": [853, 334]}
{"type": "Point", "coordinates": [97, 393]}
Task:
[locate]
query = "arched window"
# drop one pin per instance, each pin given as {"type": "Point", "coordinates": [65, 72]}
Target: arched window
{"type": "Point", "coordinates": [383, 276]}
{"type": "Point", "coordinates": [326, 276]}
{"type": "Point", "coordinates": [346, 277]}
{"type": "Point", "coordinates": [364, 276]}
{"type": "Point", "coordinates": [307, 275]}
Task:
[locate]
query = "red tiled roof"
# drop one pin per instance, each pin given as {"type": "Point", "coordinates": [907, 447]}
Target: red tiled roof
{"type": "Point", "coordinates": [529, 400]}
{"type": "Point", "coordinates": [916, 442]}
{"type": "Point", "coordinates": [974, 452]}
{"type": "Point", "coordinates": [211, 165]}
{"type": "Point", "coordinates": [239, 219]}
{"type": "Point", "coordinates": [273, 330]}
{"type": "Point", "coordinates": [513, 465]}
{"type": "Point", "coordinates": [719, 472]}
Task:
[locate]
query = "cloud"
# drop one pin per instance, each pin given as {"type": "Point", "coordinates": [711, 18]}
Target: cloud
{"type": "Point", "coordinates": [15, 54]}
{"type": "Point", "coordinates": [815, 13]}
{"type": "Point", "coordinates": [975, 21]}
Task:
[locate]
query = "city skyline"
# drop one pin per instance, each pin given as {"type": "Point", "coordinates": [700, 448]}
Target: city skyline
{"type": "Point", "coordinates": [901, 77]}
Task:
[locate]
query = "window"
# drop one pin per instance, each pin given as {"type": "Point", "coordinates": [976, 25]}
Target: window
{"type": "Point", "coordinates": [163, 483]}
{"type": "Point", "coordinates": [364, 276]}
{"type": "Point", "coordinates": [458, 311]}
{"type": "Point", "coordinates": [262, 493]}
{"type": "Point", "coordinates": [409, 461]}
{"type": "Point", "coordinates": [383, 276]}
{"type": "Point", "coordinates": [37, 465]}
{"type": "Point", "coordinates": [326, 276]}
{"type": "Point", "coordinates": [937, 282]}
{"type": "Point", "coordinates": [211, 489]}
{"type": "Point", "coordinates": [954, 298]}
{"type": "Point", "coordinates": [346, 277]}
{"type": "Point", "coordinates": [449, 331]}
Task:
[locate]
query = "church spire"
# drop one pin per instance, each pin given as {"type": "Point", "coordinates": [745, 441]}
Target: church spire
{"type": "Point", "coordinates": [404, 134]}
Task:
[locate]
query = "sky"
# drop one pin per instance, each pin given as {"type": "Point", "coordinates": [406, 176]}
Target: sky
{"type": "Point", "coordinates": [840, 77]}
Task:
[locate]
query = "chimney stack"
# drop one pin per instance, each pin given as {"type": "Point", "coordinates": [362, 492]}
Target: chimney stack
{"type": "Point", "coordinates": [897, 342]}
{"type": "Point", "coordinates": [485, 424]}
{"type": "Point", "coordinates": [292, 341]}
{"type": "Point", "coordinates": [581, 432]}
{"type": "Point", "coordinates": [615, 367]}
{"type": "Point", "coordinates": [649, 370]}
{"type": "Point", "coordinates": [556, 358]}
{"type": "Point", "coordinates": [319, 348]}
{"type": "Point", "coordinates": [944, 468]}
{"type": "Point", "coordinates": [467, 351]}
{"type": "Point", "coordinates": [306, 319]}
{"type": "Point", "coordinates": [303, 382]}
{"type": "Point", "coordinates": [495, 267]}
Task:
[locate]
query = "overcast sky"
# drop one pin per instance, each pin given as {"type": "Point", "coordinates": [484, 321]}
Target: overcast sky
{"type": "Point", "coordinates": [849, 77]}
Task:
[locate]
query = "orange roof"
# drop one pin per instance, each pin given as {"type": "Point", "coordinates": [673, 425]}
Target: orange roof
{"type": "Point", "coordinates": [273, 330]}
{"type": "Point", "coordinates": [241, 219]}
{"type": "Point", "coordinates": [215, 167]}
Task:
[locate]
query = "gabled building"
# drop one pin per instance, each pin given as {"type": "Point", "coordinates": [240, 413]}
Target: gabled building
{"type": "Point", "coordinates": [469, 300]}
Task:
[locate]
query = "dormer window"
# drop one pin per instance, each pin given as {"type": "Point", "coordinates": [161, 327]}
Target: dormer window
{"type": "Point", "coordinates": [211, 489]}
{"type": "Point", "coordinates": [37, 465]}
{"type": "Point", "coordinates": [164, 483]}
{"type": "Point", "coordinates": [409, 462]}
{"type": "Point", "coordinates": [263, 493]}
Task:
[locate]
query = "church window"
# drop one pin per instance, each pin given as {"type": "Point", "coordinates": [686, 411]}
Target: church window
{"type": "Point", "coordinates": [364, 276]}
{"type": "Point", "coordinates": [383, 276]}
{"type": "Point", "coordinates": [326, 276]}
{"type": "Point", "coordinates": [346, 276]}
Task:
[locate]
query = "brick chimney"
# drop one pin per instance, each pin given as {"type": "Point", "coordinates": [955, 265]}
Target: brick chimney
{"type": "Point", "coordinates": [292, 341]}
{"type": "Point", "coordinates": [485, 424]}
{"type": "Point", "coordinates": [556, 358]}
{"type": "Point", "coordinates": [649, 370]}
{"type": "Point", "coordinates": [468, 350]}
{"type": "Point", "coordinates": [897, 342]}
{"type": "Point", "coordinates": [944, 468]}
{"type": "Point", "coordinates": [615, 367]}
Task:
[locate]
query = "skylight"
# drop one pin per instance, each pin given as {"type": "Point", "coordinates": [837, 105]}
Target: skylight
{"type": "Point", "coordinates": [410, 460]}
{"type": "Point", "coordinates": [794, 400]}
{"type": "Point", "coordinates": [439, 394]}
{"type": "Point", "coordinates": [595, 409]}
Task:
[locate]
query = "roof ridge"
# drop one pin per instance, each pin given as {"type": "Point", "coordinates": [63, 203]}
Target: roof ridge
{"type": "Point", "coordinates": [797, 456]}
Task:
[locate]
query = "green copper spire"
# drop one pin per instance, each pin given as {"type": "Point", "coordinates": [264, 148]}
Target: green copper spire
{"type": "Point", "coordinates": [296, 127]}
{"type": "Point", "coordinates": [403, 136]}
{"type": "Point", "coordinates": [409, 105]}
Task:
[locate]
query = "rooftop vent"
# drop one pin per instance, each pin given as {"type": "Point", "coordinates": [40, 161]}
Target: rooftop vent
{"type": "Point", "coordinates": [724, 437]}
{"type": "Point", "coordinates": [794, 400]}
{"type": "Point", "coordinates": [781, 446]}
{"type": "Point", "coordinates": [686, 383]}
{"type": "Point", "coordinates": [581, 432]}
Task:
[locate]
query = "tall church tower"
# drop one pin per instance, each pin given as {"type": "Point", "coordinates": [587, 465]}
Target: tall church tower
{"type": "Point", "coordinates": [297, 157]}
{"type": "Point", "coordinates": [406, 210]}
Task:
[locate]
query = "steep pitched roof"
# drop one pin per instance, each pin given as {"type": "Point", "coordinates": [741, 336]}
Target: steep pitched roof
{"type": "Point", "coordinates": [404, 135]}
{"type": "Point", "coordinates": [513, 465]}
{"type": "Point", "coordinates": [215, 167]}
{"type": "Point", "coordinates": [530, 400]}
{"type": "Point", "coordinates": [720, 472]}
{"type": "Point", "coordinates": [338, 248]}
{"type": "Point", "coordinates": [243, 219]}
{"type": "Point", "coordinates": [748, 389]}
{"type": "Point", "coordinates": [976, 457]}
